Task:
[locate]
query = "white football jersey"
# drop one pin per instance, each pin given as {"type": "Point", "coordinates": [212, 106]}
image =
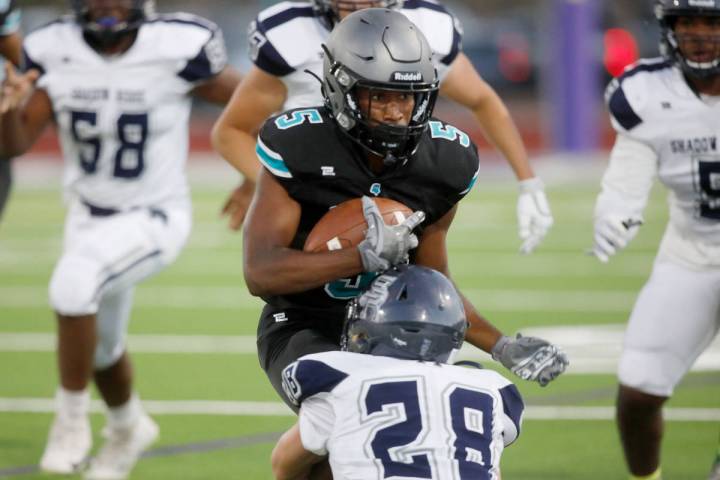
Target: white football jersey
{"type": "Point", "coordinates": [381, 417]}
{"type": "Point", "coordinates": [123, 119]}
{"type": "Point", "coordinates": [285, 40]}
{"type": "Point", "coordinates": [652, 103]}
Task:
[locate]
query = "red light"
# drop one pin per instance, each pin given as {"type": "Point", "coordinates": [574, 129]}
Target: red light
{"type": "Point", "coordinates": [621, 50]}
{"type": "Point", "coordinates": [514, 57]}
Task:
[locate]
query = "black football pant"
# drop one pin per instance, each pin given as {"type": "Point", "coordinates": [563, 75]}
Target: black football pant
{"type": "Point", "coordinates": [286, 335]}
{"type": "Point", "coordinates": [5, 183]}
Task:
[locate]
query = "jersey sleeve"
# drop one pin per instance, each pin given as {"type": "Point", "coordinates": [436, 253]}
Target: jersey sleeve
{"type": "Point", "coordinates": [270, 152]}
{"type": "Point", "coordinates": [317, 418]}
{"type": "Point", "coordinates": [455, 148]}
{"type": "Point", "coordinates": [628, 179]}
{"type": "Point", "coordinates": [630, 99]}
{"type": "Point", "coordinates": [290, 144]}
{"type": "Point", "coordinates": [210, 56]}
{"type": "Point", "coordinates": [513, 408]}
{"type": "Point", "coordinates": [308, 377]}
{"type": "Point", "coordinates": [263, 53]}
{"type": "Point", "coordinates": [9, 18]}
{"type": "Point", "coordinates": [441, 28]}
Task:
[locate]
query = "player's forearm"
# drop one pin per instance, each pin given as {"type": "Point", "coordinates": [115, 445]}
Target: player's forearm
{"type": "Point", "coordinates": [283, 271]}
{"type": "Point", "coordinates": [628, 179]}
{"type": "Point", "coordinates": [14, 138]}
{"type": "Point", "coordinates": [501, 131]}
{"type": "Point", "coordinates": [481, 333]}
{"type": "Point", "coordinates": [237, 147]}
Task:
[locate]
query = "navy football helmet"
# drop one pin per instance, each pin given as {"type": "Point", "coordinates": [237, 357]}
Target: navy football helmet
{"type": "Point", "coordinates": [667, 12]}
{"type": "Point", "coordinates": [409, 312]}
{"type": "Point", "coordinates": [108, 30]}
{"type": "Point", "coordinates": [379, 50]}
{"type": "Point", "coordinates": [328, 11]}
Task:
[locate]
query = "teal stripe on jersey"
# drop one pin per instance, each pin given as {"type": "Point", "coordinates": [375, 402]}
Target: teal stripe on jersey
{"type": "Point", "coordinates": [11, 25]}
{"type": "Point", "coordinates": [472, 182]}
{"type": "Point", "coordinates": [273, 161]}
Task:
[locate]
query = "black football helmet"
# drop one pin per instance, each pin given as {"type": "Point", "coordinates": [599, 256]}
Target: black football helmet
{"type": "Point", "coordinates": [379, 50]}
{"type": "Point", "coordinates": [108, 30]}
{"type": "Point", "coordinates": [409, 312]}
{"type": "Point", "coordinates": [667, 12]}
{"type": "Point", "coordinates": [328, 10]}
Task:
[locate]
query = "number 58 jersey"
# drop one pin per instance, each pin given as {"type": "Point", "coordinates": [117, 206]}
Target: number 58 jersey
{"type": "Point", "coordinates": [382, 417]}
{"type": "Point", "coordinates": [123, 119]}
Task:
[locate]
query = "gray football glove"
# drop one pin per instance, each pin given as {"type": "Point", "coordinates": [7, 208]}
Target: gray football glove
{"type": "Point", "coordinates": [531, 358]}
{"type": "Point", "coordinates": [386, 245]}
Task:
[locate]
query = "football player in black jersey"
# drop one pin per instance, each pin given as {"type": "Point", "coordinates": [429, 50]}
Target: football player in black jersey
{"type": "Point", "coordinates": [10, 50]}
{"type": "Point", "coordinates": [285, 44]}
{"type": "Point", "coordinates": [374, 137]}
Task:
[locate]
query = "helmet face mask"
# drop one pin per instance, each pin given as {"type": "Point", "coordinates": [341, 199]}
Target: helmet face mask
{"type": "Point", "coordinates": [107, 29]}
{"type": "Point", "coordinates": [409, 312]}
{"type": "Point", "coordinates": [328, 11]}
{"type": "Point", "coordinates": [379, 52]}
{"type": "Point", "coordinates": [683, 46]}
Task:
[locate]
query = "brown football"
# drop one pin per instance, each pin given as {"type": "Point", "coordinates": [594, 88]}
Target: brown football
{"type": "Point", "coordinates": [344, 225]}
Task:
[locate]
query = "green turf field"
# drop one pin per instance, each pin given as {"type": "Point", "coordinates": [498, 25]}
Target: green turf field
{"type": "Point", "coordinates": [202, 298]}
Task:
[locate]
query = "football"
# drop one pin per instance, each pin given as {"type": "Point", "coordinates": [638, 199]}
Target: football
{"type": "Point", "coordinates": [344, 225]}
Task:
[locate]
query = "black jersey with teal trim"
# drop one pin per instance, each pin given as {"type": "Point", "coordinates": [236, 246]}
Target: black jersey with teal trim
{"type": "Point", "coordinates": [9, 17]}
{"type": "Point", "coordinates": [320, 167]}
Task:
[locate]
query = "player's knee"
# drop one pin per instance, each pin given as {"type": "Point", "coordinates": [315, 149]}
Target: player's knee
{"type": "Point", "coordinates": [73, 290]}
{"type": "Point", "coordinates": [107, 353]}
{"type": "Point", "coordinates": [650, 373]}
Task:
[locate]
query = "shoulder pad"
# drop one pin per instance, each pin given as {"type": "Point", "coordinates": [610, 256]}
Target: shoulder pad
{"type": "Point", "coordinates": [627, 95]}
{"type": "Point", "coordinates": [452, 143]}
{"type": "Point", "coordinates": [279, 38]}
{"type": "Point", "coordinates": [183, 18]}
{"type": "Point", "coordinates": [285, 143]}
{"type": "Point", "coordinates": [202, 49]}
{"type": "Point", "coordinates": [305, 378]}
{"type": "Point", "coordinates": [442, 29]}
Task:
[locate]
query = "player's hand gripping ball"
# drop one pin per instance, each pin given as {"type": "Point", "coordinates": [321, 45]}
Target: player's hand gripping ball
{"type": "Point", "coordinates": [344, 225]}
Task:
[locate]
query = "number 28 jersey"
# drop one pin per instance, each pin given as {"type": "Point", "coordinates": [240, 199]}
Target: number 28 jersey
{"type": "Point", "coordinates": [123, 120]}
{"type": "Point", "coordinates": [380, 417]}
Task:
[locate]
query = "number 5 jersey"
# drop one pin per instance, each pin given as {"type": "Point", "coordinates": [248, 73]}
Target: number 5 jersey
{"type": "Point", "coordinates": [123, 119]}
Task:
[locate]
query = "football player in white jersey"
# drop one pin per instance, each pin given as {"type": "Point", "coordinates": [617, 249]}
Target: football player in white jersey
{"type": "Point", "coordinates": [10, 50]}
{"type": "Point", "coordinates": [390, 404]}
{"type": "Point", "coordinates": [285, 43]}
{"type": "Point", "coordinates": [118, 81]}
{"type": "Point", "coordinates": [667, 116]}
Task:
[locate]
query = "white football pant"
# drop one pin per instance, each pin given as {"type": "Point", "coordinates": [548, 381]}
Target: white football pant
{"type": "Point", "coordinates": [104, 257]}
{"type": "Point", "coordinates": [676, 316]}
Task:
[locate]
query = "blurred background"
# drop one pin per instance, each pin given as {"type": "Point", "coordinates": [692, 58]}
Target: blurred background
{"type": "Point", "coordinates": [550, 60]}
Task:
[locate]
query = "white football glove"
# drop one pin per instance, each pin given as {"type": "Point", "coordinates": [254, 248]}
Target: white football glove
{"type": "Point", "coordinates": [613, 233]}
{"type": "Point", "coordinates": [533, 212]}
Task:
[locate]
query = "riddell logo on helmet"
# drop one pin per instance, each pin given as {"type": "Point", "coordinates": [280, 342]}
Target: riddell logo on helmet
{"type": "Point", "coordinates": [701, 3]}
{"type": "Point", "coordinates": [407, 77]}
